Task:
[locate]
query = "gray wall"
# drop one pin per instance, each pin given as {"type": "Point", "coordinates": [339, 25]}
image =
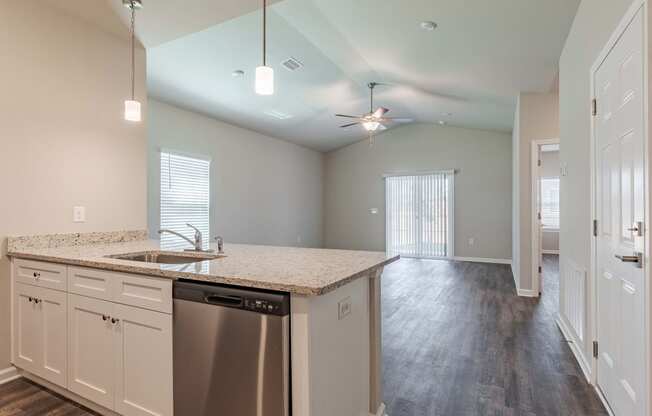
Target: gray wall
{"type": "Point", "coordinates": [538, 118]}
{"type": "Point", "coordinates": [594, 23]}
{"type": "Point", "coordinates": [63, 139]}
{"type": "Point", "coordinates": [263, 190]}
{"type": "Point", "coordinates": [354, 184]}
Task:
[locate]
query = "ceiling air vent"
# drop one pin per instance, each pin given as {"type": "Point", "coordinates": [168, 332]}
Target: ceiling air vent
{"type": "Point", "coordinates": [291, 64]}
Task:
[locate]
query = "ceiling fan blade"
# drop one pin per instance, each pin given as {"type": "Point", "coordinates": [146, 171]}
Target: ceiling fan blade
{"type": "Point", "coordinates": [347, 116]}
{"type": "Point", "coordinates": [382, 127]}
{"type": "Point", "coordinates": [398, 119]}
{"type": "Point", "coordinates": [350, 124]}
{"type": "Point", "coordinates": [380, 112]}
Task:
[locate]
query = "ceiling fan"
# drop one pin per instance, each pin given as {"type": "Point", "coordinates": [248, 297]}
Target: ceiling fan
{"type": "Point", "coordinates": [375, 119]}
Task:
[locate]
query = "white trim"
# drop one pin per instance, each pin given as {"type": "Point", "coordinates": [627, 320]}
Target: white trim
{"type": "Point", "coordinates": [527, 293]}
{"type": "Point", "coordinates": [514, 276]}
{"type": "Point", "coordinates": [535, 175]}
{"type": "Point", "coordinates": [380, 411]}
{"type": "Point", "coordinates": [577, 350]}
{"type": "Point", "coordinates": [550, 252]}
{"type": "Point", "coordinates": [592, 309]}
{"type": "Point", "coordinates": [177, 152]}
{"type": "Point", "coordinates": [603, 399]}
{"type": "Point", "coordinates": [9, 374]}
{"type": "Point", "coordinates": [419, 173]}
{"type": "Point", "coordinates": [480, 260]}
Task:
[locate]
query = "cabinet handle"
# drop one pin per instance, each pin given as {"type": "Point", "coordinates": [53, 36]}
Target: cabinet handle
{"type": "Point", "coordinates": [114, 320]}
{"type": "Point", "coordinates": [36, 300]}
{"type": "Point", "coordinates": [105, 317]}
{"type": "Point", "coordinates": [30, 298]}
{"type": "Point", "coordinates": [37, 275]}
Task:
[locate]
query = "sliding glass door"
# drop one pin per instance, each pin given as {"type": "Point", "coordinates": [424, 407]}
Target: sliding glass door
{"type": "Point", "coordinates": [419, 210]}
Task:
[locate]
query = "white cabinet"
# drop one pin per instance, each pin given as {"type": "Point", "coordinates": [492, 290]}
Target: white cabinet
{"type": "Point", "coordinates": [143, 351]}
{"type": "Point", "coordinates": [91, 358]}
{"type": "Point", "coordinates": [120, 356]}
{"type": "Point", "coordinates": [40, 328]}
{"type": "Point", "coordinates": [104, 336]}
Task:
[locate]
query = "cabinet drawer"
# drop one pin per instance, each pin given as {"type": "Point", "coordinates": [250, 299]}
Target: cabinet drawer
{"type": "Point", "coordinates": [144, 292]}
{"type": "Point", "coordinates": [91, 282]}
{"type": "Point", "coordinates": [38, 273]}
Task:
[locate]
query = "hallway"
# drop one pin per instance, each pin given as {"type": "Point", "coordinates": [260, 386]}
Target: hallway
{"type": "Point", "coordinates": [458, 341]}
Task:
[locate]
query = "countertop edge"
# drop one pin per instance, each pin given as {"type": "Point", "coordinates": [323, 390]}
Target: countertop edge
{"type": "Point", "coordinates": [175, 275]}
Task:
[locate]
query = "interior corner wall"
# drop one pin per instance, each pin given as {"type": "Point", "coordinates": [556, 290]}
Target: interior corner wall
{"type": "Point", "coordinates": [516, 240]}
{"type": "Point", "coordinates": [353, 185]}
{"type": "Point", "coordinates": [593, 25]}
{"type": "Point", "coordinates": [63, 139]}
{"type": "Point", "coordinates": [537, 119]}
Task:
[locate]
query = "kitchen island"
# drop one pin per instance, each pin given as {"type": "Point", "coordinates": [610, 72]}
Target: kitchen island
{"type": "Point", "coordinates": [335, 334]}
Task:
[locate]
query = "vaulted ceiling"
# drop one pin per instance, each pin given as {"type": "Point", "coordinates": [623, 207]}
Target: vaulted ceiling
{"type": "Point", "coordinates": [466, 73]}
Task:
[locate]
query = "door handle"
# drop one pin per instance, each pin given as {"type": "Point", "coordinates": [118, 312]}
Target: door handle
{"type": "Point", "coordinates": [636, 258]}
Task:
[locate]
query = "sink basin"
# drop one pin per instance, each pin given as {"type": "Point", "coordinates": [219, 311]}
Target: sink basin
{"type": "Point", "coordinates": [166, 258]}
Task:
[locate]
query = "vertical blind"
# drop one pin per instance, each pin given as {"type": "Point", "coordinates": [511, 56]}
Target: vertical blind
{"type": "Point", "coordinates": [185, 197]}
{"type": "Point", "coordinates": [419, 219]}
{"type": "Point", "coordinates": [550, 202]}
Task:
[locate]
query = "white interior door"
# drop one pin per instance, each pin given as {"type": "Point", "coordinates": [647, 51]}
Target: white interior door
{"type": "Point", "coordinates": [539, 223]}
{"type": "Point", "coordinates": [620, 192]}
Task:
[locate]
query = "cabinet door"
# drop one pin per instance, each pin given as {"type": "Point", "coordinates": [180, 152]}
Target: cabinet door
{"type": "Point", "coordinates": [53, 308]}
{"type": "Point", "coordinates": [144, 362]}
{"type": "Point", "coordinates": [28, 333]}
{"type": "Point", "coordinates": [91, 356]}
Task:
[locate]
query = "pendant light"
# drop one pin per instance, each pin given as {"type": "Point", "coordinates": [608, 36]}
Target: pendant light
{"type": "Point", "coordinates": [132, 107]}
{"type": "Point", "coordinates": [264, 73]}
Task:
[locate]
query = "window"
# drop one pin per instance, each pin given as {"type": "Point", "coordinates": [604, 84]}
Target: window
{"type": "Point", "coordinates": [184, 198]}
{"type": "Point", "coordinates": [550, 203]}
{"type": "Point", "coordinates": [419, 211]}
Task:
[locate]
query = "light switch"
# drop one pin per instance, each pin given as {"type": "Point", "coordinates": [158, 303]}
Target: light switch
{"type": "Point", "coordinates": [373, 211]}
{"type": "Point", "coordinates": [79, 214]}
{"type": "Point", "coordinates": [344, 308]}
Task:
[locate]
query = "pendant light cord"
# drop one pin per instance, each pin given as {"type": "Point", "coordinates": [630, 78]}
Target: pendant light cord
{"type": "Point", "coordinates": [264, 32]}
{"type": "Point", "coordinates": [133, 53]}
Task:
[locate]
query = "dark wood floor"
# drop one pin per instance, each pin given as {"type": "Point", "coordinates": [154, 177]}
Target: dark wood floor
{"type": "Point", "coordinates": [458, 341]}
{"type": "Point", "coordinates": [23, 398]}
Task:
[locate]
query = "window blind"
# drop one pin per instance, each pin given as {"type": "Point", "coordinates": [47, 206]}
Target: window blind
{"type": "Point", "coordinates": [185, 196]}
{"type": "Point", "coordinates": [550, 203]}
{"type": "Point", "coordinates": [419, 220]}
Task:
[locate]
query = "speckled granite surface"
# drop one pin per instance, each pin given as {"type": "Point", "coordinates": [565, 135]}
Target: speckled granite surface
{"type": "Point", "coordinates": [72, 239]}
{"type": "Point", "coordinates": [301, 271]}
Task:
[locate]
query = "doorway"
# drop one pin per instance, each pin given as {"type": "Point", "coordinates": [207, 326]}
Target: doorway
{"type": "Point", "coordinates": [546, 210]}
{"type": "Point", "coordinates": [620, 198]}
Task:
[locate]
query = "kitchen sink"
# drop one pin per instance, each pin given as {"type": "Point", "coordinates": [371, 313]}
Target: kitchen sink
{"type": "Point", "coordinates": [161, 257]}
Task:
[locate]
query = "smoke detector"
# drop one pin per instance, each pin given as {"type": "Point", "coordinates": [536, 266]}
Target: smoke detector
{"type": "Point", "coordinates": [428, 25]}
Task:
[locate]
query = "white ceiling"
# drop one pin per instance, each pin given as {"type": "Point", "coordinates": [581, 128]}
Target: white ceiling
{"type": "Point", "coordinates": [473, 65]}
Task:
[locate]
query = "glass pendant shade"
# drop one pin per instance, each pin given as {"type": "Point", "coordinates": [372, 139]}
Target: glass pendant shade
{"type": "Point", "coordinates": [264, 80]}
{"type": "Point", "coordinates": [132, 110]}
{"type": "Point", "coordinates": [371, 125]}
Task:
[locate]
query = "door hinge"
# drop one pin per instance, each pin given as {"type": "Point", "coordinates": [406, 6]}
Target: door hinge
{"type": "Point", "coordinates": [540, 269]}
{"type": "Point", "coordinates": [595, 349]}
{"type": "Point", "coordinates": [594, 107]}
{"type": "Point", "coordinates": [595, 228]}
{"type": "Point", "coordinates": [539, 162]}
{"type": "Point", "coordinates": [539, 216]}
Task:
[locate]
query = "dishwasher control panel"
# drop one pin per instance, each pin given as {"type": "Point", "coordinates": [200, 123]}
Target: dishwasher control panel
{"type": "Point", "coordinates": [263, 305]}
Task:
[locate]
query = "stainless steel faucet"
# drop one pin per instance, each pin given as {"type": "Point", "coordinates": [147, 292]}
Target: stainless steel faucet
{"type": "Point", "coordinates": [220, 244]}
{"type": "Point", "coordinates": [197, 244]}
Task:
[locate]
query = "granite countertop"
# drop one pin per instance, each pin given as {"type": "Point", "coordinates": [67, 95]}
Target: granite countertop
{"type": "Point", "coordinates": [301, 271]}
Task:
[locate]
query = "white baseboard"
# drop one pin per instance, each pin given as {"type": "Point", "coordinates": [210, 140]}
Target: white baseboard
{"type": "Point", "coordinates": [483, 260]}
{"type": "Point", "coordinates": [577, 350]}
{"type": "Point", "coordinates": [527, 293]}
{"type": "Point", "coordinates": [380, 411]}
{"type": "Point", "coordinates": [9, 374]}
{"type": "Point", "coordinates": [550, 252]}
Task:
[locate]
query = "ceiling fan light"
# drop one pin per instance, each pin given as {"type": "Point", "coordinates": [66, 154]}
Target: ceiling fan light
{"type": "Point", "coordinates": [264, 80]}
{"type": "Point", "coordinates": [371, 125]}
{"type": "Point", "coordinates": [132, 110]}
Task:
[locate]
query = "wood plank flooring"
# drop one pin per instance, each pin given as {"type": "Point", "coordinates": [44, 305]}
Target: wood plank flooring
{"type": "Point", "coordinates": [21, 397]}
{"type": "Point", "coordinates": [458, 341]}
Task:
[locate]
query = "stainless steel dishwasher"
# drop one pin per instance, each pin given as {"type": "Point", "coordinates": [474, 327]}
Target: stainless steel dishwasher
{"type": "Point", "coordinates": [231, 351]}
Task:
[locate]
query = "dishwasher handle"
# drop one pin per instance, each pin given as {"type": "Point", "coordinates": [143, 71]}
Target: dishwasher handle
{"type": "Point", "coordinates": [226, 300]}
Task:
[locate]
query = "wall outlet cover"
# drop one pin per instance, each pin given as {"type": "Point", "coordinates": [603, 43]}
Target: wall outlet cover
{"type": "Point", "coordinates": [344, 308]}
{"type": "Point", "coordinates": [79, 214]}
{"type": "Point", "coordinates": [373, 211]}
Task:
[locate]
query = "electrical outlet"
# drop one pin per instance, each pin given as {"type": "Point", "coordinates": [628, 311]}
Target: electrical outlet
{"type": "Point", "coordinates": [373, 211]}
{"type": "Point", "coordinates": [79, 214]}
{"type": "Point", "coordinates": [472, 241]}
{"type": "Point", "coordinates": [344, 308]}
